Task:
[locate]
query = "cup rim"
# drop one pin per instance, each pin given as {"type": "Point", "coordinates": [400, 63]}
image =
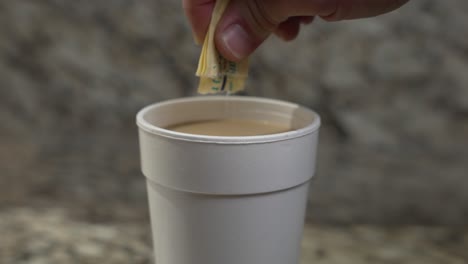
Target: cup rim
{"type": "Point", "coordinates": [145, 125]}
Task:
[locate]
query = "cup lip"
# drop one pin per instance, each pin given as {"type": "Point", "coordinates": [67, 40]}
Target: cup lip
{"type": "Point", "coordinates": [152, 129]}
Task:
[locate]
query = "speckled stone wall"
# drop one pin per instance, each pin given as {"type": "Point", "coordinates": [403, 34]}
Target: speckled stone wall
{"type": "Point", "coordinates": [392, 92]}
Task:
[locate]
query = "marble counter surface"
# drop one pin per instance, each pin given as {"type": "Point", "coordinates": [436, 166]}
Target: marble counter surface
{"type": "Point", "coordinates": [52, 236]}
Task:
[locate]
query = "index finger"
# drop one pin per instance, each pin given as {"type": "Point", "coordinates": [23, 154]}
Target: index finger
{"type": "Point", "coordinates": [198, 13]}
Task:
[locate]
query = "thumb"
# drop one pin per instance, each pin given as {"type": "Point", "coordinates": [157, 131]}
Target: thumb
{"type": "Point", "coordinates": [247, 23]}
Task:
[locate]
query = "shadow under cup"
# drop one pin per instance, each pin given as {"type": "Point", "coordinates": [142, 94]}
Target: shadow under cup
{"type": "Point", "coordinates": [227, 200]}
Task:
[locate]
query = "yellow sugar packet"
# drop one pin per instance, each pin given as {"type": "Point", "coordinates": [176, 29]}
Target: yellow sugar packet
{"type": "Point", "coordinates": [216, 73]}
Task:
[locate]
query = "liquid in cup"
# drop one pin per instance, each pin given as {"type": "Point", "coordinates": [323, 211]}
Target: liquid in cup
{"type": "Point", "coordinates": [230, 127]}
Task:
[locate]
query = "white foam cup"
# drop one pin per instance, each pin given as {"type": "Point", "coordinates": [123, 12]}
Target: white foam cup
{"type": "Point", "coordinates": [227, 200]}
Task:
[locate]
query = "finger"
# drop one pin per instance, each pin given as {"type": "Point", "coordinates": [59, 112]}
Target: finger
{"type": "Point", "coordinates": [306, 20]}
{"type": "Point", "coordinates": [247, 23]}
{"type": "Point", "coordinates": [198, 13]}
{"type": "Point", "coordinates": [289, 29]}
{"type": "Point", "coordinates": [346, 9]}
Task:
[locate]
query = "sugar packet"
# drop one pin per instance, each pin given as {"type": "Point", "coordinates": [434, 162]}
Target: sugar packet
{"type": "Point", "coordinates": [216, 73]}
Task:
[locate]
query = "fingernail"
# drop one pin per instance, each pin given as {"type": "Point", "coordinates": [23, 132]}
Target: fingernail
{"type": "Point", "coordinates": [236, 39]}
{"type": "Point", "coordinates": [196, 39]}
{"type": "Point", "coordinates": [197, 42]}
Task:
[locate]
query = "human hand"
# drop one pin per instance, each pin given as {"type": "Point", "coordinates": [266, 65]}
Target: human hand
{"type": "Point", "coordinates": [247, 23]}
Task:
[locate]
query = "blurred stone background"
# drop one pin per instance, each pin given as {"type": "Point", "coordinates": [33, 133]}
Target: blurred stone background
{"type": "Point", "coordinates": [392, 92]}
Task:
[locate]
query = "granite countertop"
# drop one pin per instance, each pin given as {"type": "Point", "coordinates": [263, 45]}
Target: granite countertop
{"type": "Point", "coordinates": [52, 236]}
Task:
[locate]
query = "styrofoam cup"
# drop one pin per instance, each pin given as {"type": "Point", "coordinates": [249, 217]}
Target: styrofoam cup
{"type": "Point", "coordinates": [229, 200]}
